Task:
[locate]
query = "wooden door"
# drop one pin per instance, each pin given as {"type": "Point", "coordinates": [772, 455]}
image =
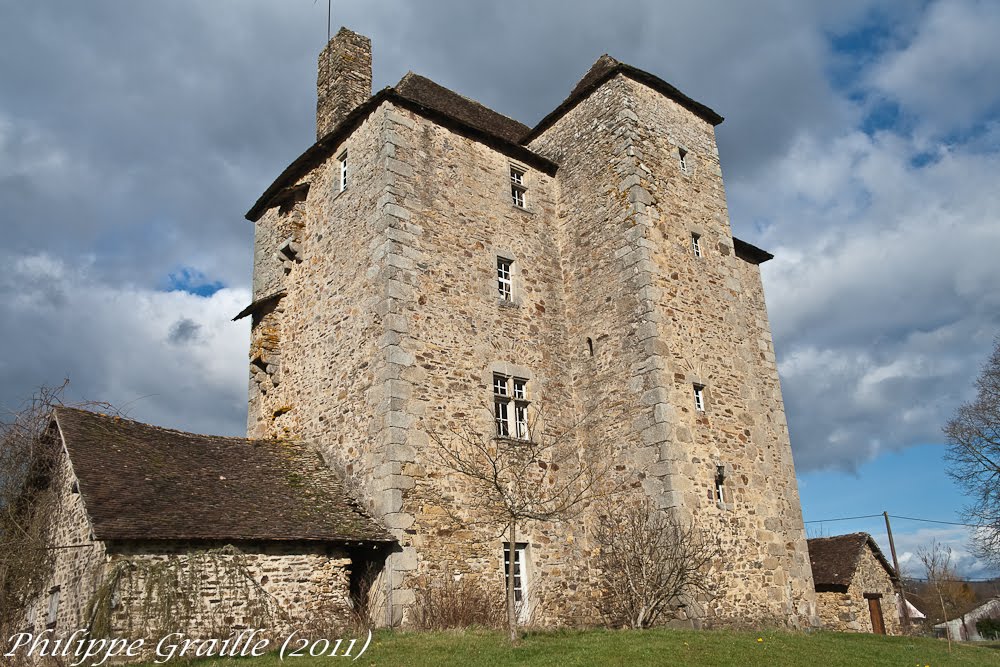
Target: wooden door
{"type": "Point", "coordinates": [875, 609]}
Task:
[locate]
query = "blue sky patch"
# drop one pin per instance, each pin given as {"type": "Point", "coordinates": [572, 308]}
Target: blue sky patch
{"type": "Point", "coordinates": [192, 281]}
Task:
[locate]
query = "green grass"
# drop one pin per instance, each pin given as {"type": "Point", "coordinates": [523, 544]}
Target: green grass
{"type": "Point", "coordinates": [651, 647]}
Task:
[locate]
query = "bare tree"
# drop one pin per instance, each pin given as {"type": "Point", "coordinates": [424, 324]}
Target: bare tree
{"type": "Point", "coordinates": [540, 476]}
{"type": "Point", "coordinates": [953, 594]}
{"type": "Point", "coordinates": [29, 470]}
{"type": "Point", "coordinates": [651, 561]}
{"type": "Point", "coordinates": [974, 458]}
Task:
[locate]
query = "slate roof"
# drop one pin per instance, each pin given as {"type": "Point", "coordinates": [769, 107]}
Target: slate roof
{"type": "Point", "coordinates": [142, 482]}
{"type": "Point", "coordinates": [422, 96]}
{"type": "Point", "coordinates": [835, 559]}
{"type": "Point", "coordinates": [423, 91]}
{"type": "Point", "coordinates": [603, 69]}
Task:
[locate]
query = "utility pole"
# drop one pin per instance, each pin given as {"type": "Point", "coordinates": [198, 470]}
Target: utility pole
{"type": "Point", "coordinates": [899, 576]}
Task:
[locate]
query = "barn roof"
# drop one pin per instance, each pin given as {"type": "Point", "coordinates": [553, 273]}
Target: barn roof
{"type": "Point", "coordinates": [143, 482]}
{"type": "Point", "coordinates": [835, 559]}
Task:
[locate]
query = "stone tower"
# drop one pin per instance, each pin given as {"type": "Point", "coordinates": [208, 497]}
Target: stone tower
{"type": "Point", "coordinates": [427, 247]}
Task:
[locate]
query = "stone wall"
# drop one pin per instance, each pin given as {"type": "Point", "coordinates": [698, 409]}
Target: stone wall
{"type": "Point", "coordinates": [663, 320]}
{"type": "Point", "coordinates": [79, 561]}
{"type": "Point", "coordinates": [275, 587]}
{"type": "Point", "coordinates": [849, 611]}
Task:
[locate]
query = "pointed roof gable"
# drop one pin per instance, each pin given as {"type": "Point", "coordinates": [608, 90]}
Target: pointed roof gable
{"type": "Point", "coordinates": [143, 482]}
{"type": "Point", "coordinates": [604, 69]}
{"type": "Point", "coordinates": [836, 559]}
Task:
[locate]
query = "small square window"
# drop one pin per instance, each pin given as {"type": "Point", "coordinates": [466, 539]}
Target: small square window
{"type": "Point", "coordinates": [500, 385]}
{"type": "Point", "coordinates": [343, 171]}
{"type": "Point", "coordinates": [699, 397]}
{"type": "Point", "coordinates": [696, 245]}
{"type": "Point", "coordinates": [505, 284]}
{"type": "Point", "coordinates": [517, 187]}
{"type": "Point", "coordinates": [520, 388]}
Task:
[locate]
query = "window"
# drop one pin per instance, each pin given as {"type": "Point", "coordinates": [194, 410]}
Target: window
{"type": "Point", "coordinates": [505, 285]}
{"type": "Point", "coordinates": [343, 171]}
{"type": "Point", "coordinates": [696, 245]}
{"type": "Point", "coordinates": [520, 576]}
{"type": "Point", "coordinates": [517, 188]}
{"type": "Point", "coordinates": [699, 397]}
{"type": "Point", "coordinates": [510, 406]}
{"type": "Point", "coordinates": [53, 608]}
{"type": "Point", "coordinates": [720, 484]}
{"type": "Point", "coordinates": [683, 158]}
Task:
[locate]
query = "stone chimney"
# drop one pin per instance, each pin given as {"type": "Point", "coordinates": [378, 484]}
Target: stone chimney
{"type": "Point", "coordinates": [345, 79]}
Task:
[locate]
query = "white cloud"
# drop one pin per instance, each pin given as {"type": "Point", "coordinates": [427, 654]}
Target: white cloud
{"type": "Point", "coordinates": [947, 71]}
{"type": "Point", "coordinates": [121, 344]}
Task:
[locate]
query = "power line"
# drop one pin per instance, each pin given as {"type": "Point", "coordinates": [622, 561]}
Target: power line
{"type": "Point", "coordinates": [894, 516]}
{"type": "Point", "coordinates": [846, 518]}
{"type": "Point", "coordinates": [947, 523]}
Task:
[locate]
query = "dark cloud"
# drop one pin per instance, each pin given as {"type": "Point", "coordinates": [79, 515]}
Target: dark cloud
{"type": "Point", "coordinates": [184, 331]}
{"type": "Point", "coordinates": [134, 136]}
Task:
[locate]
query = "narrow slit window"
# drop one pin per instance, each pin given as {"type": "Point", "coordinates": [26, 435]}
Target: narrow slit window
{"type": "Point", "coordinates": [699, 397]}
{"type": "Point", "coordinates": [682, 156]}
{"type": "Point", "coordinates": [343, 171]}
{"type": "Point", "coordinates": [517, 187]}
{"type": "Point", "coordinates": [590, 346]}
{"type": "Point", "coordinates": [720, 484]}
{"type": "Point", "coordinates": [505, 283]}
{"type": "Point", "coordinates": [696, 244]}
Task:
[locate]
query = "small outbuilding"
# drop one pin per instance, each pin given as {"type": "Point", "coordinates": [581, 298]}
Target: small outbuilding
{"type": "Point", "coordinates": [855, 584]}
{"type": "Point", "coordinates": [161, 529]}
{"type": "Point", "coordinates": [964, 627]}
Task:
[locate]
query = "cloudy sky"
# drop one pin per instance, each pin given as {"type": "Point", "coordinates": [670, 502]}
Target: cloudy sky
{"type": "Point", "coordinates": [861, 147]}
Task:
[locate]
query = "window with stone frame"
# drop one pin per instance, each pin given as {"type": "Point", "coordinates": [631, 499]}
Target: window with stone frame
{"type": "Point", "coordinates": [520, 575]}
{"type": "Point", "coordinates": [510, 406]}
{"type": "Point", "coordinates": [720, 484]}
{"type": "Point", "coordinates": [699, 397]}
{"type": "Point", "coordinates": [505, 278]}
{"type": "Point", "coordinates": [342, 159]}
{"type": "Point", "coordinates": [683, 161]}
{"type": "Point", "coordinates": [53, 615]}
{"type": "Point", "coordinates": [518, 190]}
{"type": "Point", "coordinates": [696, 244]}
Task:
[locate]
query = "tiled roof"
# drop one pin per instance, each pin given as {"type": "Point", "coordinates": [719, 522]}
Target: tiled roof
{"type": "Point", "coordinates": [835, 559]}
{"type": "Point", "coordinates": [142, 482]}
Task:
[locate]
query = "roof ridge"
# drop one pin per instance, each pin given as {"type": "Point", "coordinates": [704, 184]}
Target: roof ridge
{"type": "Point", "coordinates": [177, 431]}
{"type": "Point", "coordinates": [410, 75]}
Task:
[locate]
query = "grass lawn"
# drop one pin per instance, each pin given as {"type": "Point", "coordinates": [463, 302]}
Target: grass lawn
{"type": "Point", "coordinates": [652, 647]}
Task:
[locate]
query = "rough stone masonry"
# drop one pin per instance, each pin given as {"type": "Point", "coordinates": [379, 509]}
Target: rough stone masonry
{"type": "Point", "coordinates": [379, 317]}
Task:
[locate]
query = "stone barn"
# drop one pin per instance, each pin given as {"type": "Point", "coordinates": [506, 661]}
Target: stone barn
{"type": "Point", "coordinates": [252, 531]}
{"type": "Point", "coordinates": [855, 585]}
